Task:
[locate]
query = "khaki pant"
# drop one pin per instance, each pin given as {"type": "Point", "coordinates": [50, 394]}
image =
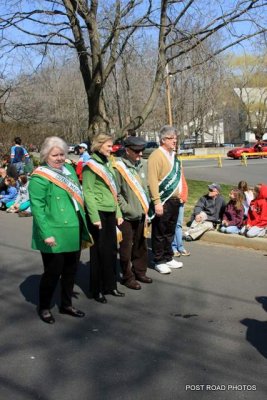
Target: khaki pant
{"type": "Point", "coordinates": [198, 228]}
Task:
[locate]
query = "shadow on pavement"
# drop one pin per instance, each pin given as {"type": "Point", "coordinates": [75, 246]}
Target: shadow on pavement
{"type": "Point", "coordinates": [256, 334]}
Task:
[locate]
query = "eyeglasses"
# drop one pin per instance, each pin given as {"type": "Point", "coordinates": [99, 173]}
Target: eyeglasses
{"type": "Point", "coordinates": [137, 151]}
{"type": "Point", "coordinates": [170, 138]}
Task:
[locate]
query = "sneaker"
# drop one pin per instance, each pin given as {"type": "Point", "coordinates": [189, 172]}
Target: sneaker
{"type": "Point", "coordinates": [176, 254]}
{"type": "Point", "coordinates": [162, 268]}
{"type": "Point", "coordinates": [10, 210]}
{"type": "Point", "coordinates": [188, 238]}
{"type": "Point", "coordinates": [25, 214]}
{"type": "Point", "coordinates": [174, 264]}
{"type": "Point", "coordinates": [184, 253]}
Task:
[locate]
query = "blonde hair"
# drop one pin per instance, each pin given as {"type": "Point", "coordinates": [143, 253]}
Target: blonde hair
{"type": "Point", "coordinates": [99, 140]}
{"type": "Point", "coordinates": [11, 181]}
{"type": "Point", "coordinates": [50, 143]}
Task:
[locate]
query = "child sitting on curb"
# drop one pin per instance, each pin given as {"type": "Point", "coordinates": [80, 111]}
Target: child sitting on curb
{"type": "Point", "coordinates": [233, 216]}
{"type": "Point", "coordinates": [257, 214]}
{"type": "Point", "coordinates": [8, 193]}
{"type": "Point", "coordinates": [21, 204]}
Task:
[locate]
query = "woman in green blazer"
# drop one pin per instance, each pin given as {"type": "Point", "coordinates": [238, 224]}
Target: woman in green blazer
{"type": "Point", "coordinates": [100, 193]}
{"type": "Point", "coordinates": [59, 225]}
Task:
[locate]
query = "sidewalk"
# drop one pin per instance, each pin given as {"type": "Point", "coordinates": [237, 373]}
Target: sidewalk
{"type": "Point", "coordinates": [235, 240]}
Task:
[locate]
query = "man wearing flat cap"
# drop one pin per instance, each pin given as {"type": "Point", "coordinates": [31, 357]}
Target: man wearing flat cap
{"type": "Point", "coordinates": [207, 213]}
{"type": "Point", "coordinates": [165, 180]}
{"type": "Point", "coordinates": [134, 203]}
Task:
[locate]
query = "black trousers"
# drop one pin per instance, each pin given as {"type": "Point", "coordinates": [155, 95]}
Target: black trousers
{"type": "Point", "coordinates": [103, 254]}
{"type": "Point", "coordinates": [57, 266]}
{"type": "Point", "coordinates": [163, 229]}
{"type": "Point", "coordinates": [133, 250]}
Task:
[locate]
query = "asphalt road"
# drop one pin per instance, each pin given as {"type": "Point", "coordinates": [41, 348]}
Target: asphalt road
{"type": "Point", "coordinates": [202, 325]}
{"type": "Point", "coordinates": [232, 171]}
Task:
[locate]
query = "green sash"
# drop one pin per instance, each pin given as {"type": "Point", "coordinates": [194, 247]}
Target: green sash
{"type": "Point", "coordinates": [167, 186]}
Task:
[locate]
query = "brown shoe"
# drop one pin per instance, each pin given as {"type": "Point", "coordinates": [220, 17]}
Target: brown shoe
{"type": "Point", "coordinates": [133, 285]}
{"type": "Point", "coordinates": [144, 279]}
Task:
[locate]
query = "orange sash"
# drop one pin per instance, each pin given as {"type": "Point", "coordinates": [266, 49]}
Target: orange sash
{"type": "Point", "coordinates": [62, 181]}
{"type": "Point", "coordinates": [107, 176]}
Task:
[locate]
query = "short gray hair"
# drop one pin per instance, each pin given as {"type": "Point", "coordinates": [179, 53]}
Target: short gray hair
{"type": "Point", "coordinates": [98, 140]}
{"type": "Point", "coordinates": [49, 144]}
{"type": "Point", "coordinates": [167, 130]}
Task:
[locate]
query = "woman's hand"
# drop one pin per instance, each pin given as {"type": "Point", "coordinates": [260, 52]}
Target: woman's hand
{"type": "Point", "coordinates": [119, 221]}
{"type": "Point", "coordinates": [98, 224]}
{"type": "Point", "coordinates": [51, 241]}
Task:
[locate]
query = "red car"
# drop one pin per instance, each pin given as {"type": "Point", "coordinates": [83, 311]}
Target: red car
{"type": "Point", "coordinates": [118, 148]}
{"type": "Point", "coordinates": [237, 152]}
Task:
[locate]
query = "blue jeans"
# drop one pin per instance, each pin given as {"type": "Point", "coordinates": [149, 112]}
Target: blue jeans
{"type": "Point", "coordinates": [20, 167]}
{"type": "Point", "coordinates": [229, 229]}
{"type": "Point", "coordinates": [177, 244]}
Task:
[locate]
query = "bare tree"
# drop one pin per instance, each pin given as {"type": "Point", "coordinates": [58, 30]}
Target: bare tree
{"type": "Point", "coordinates": [248, 78]}
{"type": "Point", "coordinates": [99, 32]}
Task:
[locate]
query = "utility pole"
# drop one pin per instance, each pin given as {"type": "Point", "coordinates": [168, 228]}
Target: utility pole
{"type": "Point", "coordinates": [168, 92]}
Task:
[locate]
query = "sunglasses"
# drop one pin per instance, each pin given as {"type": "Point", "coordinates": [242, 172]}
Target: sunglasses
{"type": "Point", "coordinates": [137, 151]}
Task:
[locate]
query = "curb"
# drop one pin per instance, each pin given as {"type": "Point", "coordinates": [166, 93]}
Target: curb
{"type": "Point", "coordinates": [235, 240]}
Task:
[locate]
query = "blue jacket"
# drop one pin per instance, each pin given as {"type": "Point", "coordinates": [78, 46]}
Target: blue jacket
{"type": "Point", "coordinates": [9, 194]}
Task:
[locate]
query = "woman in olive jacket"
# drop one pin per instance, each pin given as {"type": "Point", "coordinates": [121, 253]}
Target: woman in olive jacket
{"type": "Point", "coordinates": [100, 193]}
{"type": "Point", "coordinates": [59, 225]}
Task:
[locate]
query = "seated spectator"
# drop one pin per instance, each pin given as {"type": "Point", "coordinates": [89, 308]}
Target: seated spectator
{"type": "Point", "coordinates": [233, 217]}
{"type": "Point", "coordinates": [257, 214]}
{"type": "Point", "coordinates": [22, 202]}
{"type": "Point", "coordinates": [8, 193]}
{"type": "Point", "coordinates": [207, 213]}
{"type": "Point", "coordinates": [10, 169]}
{"type": "Point", "coordinates": [248, 196]}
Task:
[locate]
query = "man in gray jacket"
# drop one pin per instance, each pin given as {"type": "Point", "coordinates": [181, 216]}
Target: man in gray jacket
{"type": "Point", "coordinates": [207, 213]}
{"type": "Point", "coordinates": [133, 201]}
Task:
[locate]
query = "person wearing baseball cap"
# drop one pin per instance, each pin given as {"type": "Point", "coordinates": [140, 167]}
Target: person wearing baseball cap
{"type": "Point", "coordinates": [207, 213]}
{"type": "Point", "coordinates": [84, 157]}
{"type": "Point", "coordinates": [134, 203]}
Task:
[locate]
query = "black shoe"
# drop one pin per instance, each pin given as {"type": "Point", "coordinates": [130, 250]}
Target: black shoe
{"type": "Point", "coordinates": [115, 292]}
{"type": "Point", "coordinates": [100, 298]}
{"type": "Point", "coordinates": [46, 316]}
{"type": "Point", "coordinates": [72, 311]}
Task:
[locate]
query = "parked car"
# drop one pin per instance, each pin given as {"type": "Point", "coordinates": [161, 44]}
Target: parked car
{"type": "Point", "coordinates": [237, 152]}
{"type": "Point", "coordinates": [118, 148]}
{"type": "Point", "coordinates": [183, 151]}
{"type": "Point", "coordinates": [71, 148]}
{"type": "Point", "coordinates": [150, 147]}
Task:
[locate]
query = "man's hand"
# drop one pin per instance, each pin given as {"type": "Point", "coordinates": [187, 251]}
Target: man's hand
{"type": "Point", "coordinates": [198, 218]}
{"type": "Point", "coordinates": [159, 209]}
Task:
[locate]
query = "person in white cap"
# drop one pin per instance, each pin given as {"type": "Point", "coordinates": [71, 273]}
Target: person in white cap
{"type": "Point", "coordinates": [84, 157]}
